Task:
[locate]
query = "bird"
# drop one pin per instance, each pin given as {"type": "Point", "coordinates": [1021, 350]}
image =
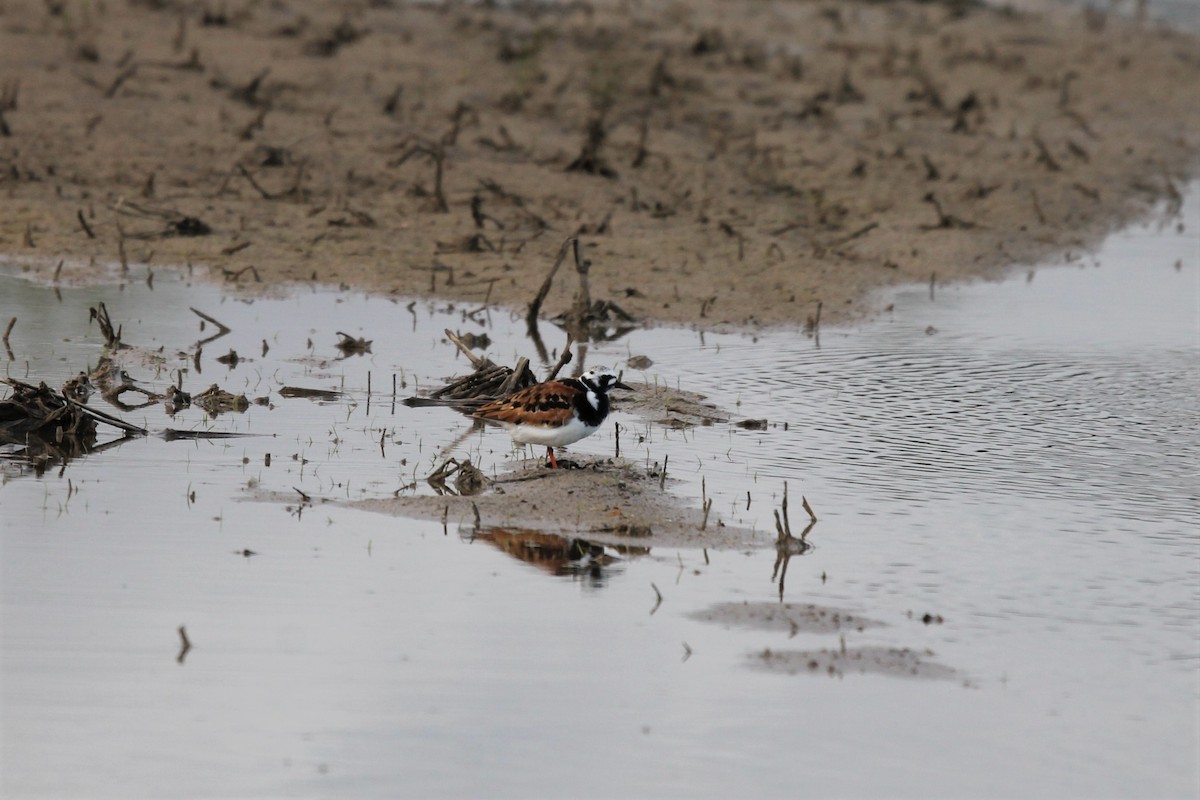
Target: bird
{"type": "Point", "coordinates": [554, 413]}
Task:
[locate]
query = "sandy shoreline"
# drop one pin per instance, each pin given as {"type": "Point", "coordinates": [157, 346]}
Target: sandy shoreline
{"type": "Point", "coordinates": [751, 159]}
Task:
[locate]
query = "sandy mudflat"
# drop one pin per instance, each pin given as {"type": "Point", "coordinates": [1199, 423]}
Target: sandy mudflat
{"type": "Point", "coordinates": [748, 160]}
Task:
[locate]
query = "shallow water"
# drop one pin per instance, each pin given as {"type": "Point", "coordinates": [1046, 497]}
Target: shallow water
{"type": "Point", "coordinates": [1179, 14]}
{"type": "Point", "coordinates": [1019, 458]}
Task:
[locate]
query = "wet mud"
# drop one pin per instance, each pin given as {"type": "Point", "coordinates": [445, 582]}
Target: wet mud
{"type": "Point", "coordinates": [724, 164]}
{"type": "Point", "coordinates": [897, 662]}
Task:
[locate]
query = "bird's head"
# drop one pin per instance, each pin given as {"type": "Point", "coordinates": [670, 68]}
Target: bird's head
{"type": "Point", "coordinates": [601, 379]}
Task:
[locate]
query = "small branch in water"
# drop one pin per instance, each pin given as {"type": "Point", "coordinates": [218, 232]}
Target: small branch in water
{"type": "Point", "coordinates": [184, 646]}
{"type": "Point", "coordinates": [658, 600]}
{"type": "Point", "coordinates": [787, 545]}
{"type": "Point", "coordinates": [350, 345]}
{"type": "Point", "coordinates": [808, 508]}
{"type": "Point", "coordinates": [475, 360]}
{"type": "Point", "coordinates": [116, 422]}
{"type": "Point", "coordinates": [7, 331]}
{"type": "Point", "coordinates": [787, 525]}
{"type": "Point", "coordinates": [222, 328]}
{"type": "Point", "coordinates": [112, 338]}
{"type": "Point", "coordinates": [564, 358]}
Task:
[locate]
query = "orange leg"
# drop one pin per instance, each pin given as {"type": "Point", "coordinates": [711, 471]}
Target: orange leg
{"type": "Point", "coordinates": [553, 460]}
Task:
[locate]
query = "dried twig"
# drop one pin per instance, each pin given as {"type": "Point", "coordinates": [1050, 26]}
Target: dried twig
{"type": "Point", "coordinates": [1044, 156]}
{"type": "Point", "coordinates": [184, 645]}
{"type": "Point", "coordinates": [435, 152]}
{"type": "Point", "coordinates": [564, 358]}
{"type": "Point", "coordinates": [589, 159]}
{"type": "Point", "coordinates": [124, 75]}
{"type": "Point", "coordinates": [222, 326]}
{"type": "Point", "coordinates": [476, 361]}
{"type": "Point", "coordinates": [536, 306]}
{"type": "Point", "coordinates": [84, 223]}
{"type": "Point", "coordinates": [808, 508]}
{"type": "Point", "coordinates": [257, 187]}
{"type": "Point", "coordinates": [944, 220]}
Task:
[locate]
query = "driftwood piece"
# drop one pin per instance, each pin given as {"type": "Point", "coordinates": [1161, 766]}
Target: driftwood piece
{"type": "Point", "coordinates": [465, 348]}
{"type": "Point", "coordinates": [585, 320]}
{"type": "Point", "coordinates": [216, 400]}
{"type": "Point", "coordinates": [112, 336]}
{"type": "Point", "coordinates": [468, 480]}
{"type": "Point", "coordinates": [488, 382]}
{"type": "Point", "coordinates": [564, 358]}
{"type": "Point", "coordinates": [535, 307]}
{"type": "Point", "coordinates": [351, 346]}
{"type": "Point", "coordinates": [39, 411]}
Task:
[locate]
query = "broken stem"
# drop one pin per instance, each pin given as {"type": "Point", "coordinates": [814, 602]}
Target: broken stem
{"type": "Point", "coordinates": [564, 358]}
{"type": "Point", "coordinates": [475, 360]}
{"type": "Point", "coordinates": [807, 507]}
{"type": "Point", "coordinates": [536, 306]}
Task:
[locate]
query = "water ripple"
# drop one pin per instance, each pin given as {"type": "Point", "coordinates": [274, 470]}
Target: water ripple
{"type": "Point", "coordinates": [939, 418]}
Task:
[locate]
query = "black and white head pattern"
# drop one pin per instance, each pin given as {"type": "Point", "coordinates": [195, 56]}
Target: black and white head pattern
{"type": "Point", "coordinates": [597, 381]}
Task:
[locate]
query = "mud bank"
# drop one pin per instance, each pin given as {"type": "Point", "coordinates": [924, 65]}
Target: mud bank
{"type": "Point", "coordinates": [724, 163]}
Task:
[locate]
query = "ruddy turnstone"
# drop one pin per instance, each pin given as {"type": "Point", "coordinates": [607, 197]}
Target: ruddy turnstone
{"type": "Point", "coordinates": [554, 413]}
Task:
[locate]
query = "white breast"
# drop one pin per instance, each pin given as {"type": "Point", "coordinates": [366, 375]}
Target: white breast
{"type": "Point", "coordinates": [573, 431]}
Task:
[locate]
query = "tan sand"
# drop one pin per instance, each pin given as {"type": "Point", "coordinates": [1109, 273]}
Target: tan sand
{"type": "Point", "coordinates": [752, 158]}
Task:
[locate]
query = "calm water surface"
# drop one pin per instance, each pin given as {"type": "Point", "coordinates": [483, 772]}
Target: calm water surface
{"type": "Point", "coordinates": [1020, 458]}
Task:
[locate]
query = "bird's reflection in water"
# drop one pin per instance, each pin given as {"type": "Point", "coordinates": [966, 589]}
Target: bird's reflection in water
{"type": "Point", "coordinates": [560, 556]}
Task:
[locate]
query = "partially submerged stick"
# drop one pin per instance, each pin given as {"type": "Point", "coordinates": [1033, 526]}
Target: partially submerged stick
{"type": "Point", "coordinates": [564, 358]}
{"type": "Point", "coordinates": [535, 307]}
